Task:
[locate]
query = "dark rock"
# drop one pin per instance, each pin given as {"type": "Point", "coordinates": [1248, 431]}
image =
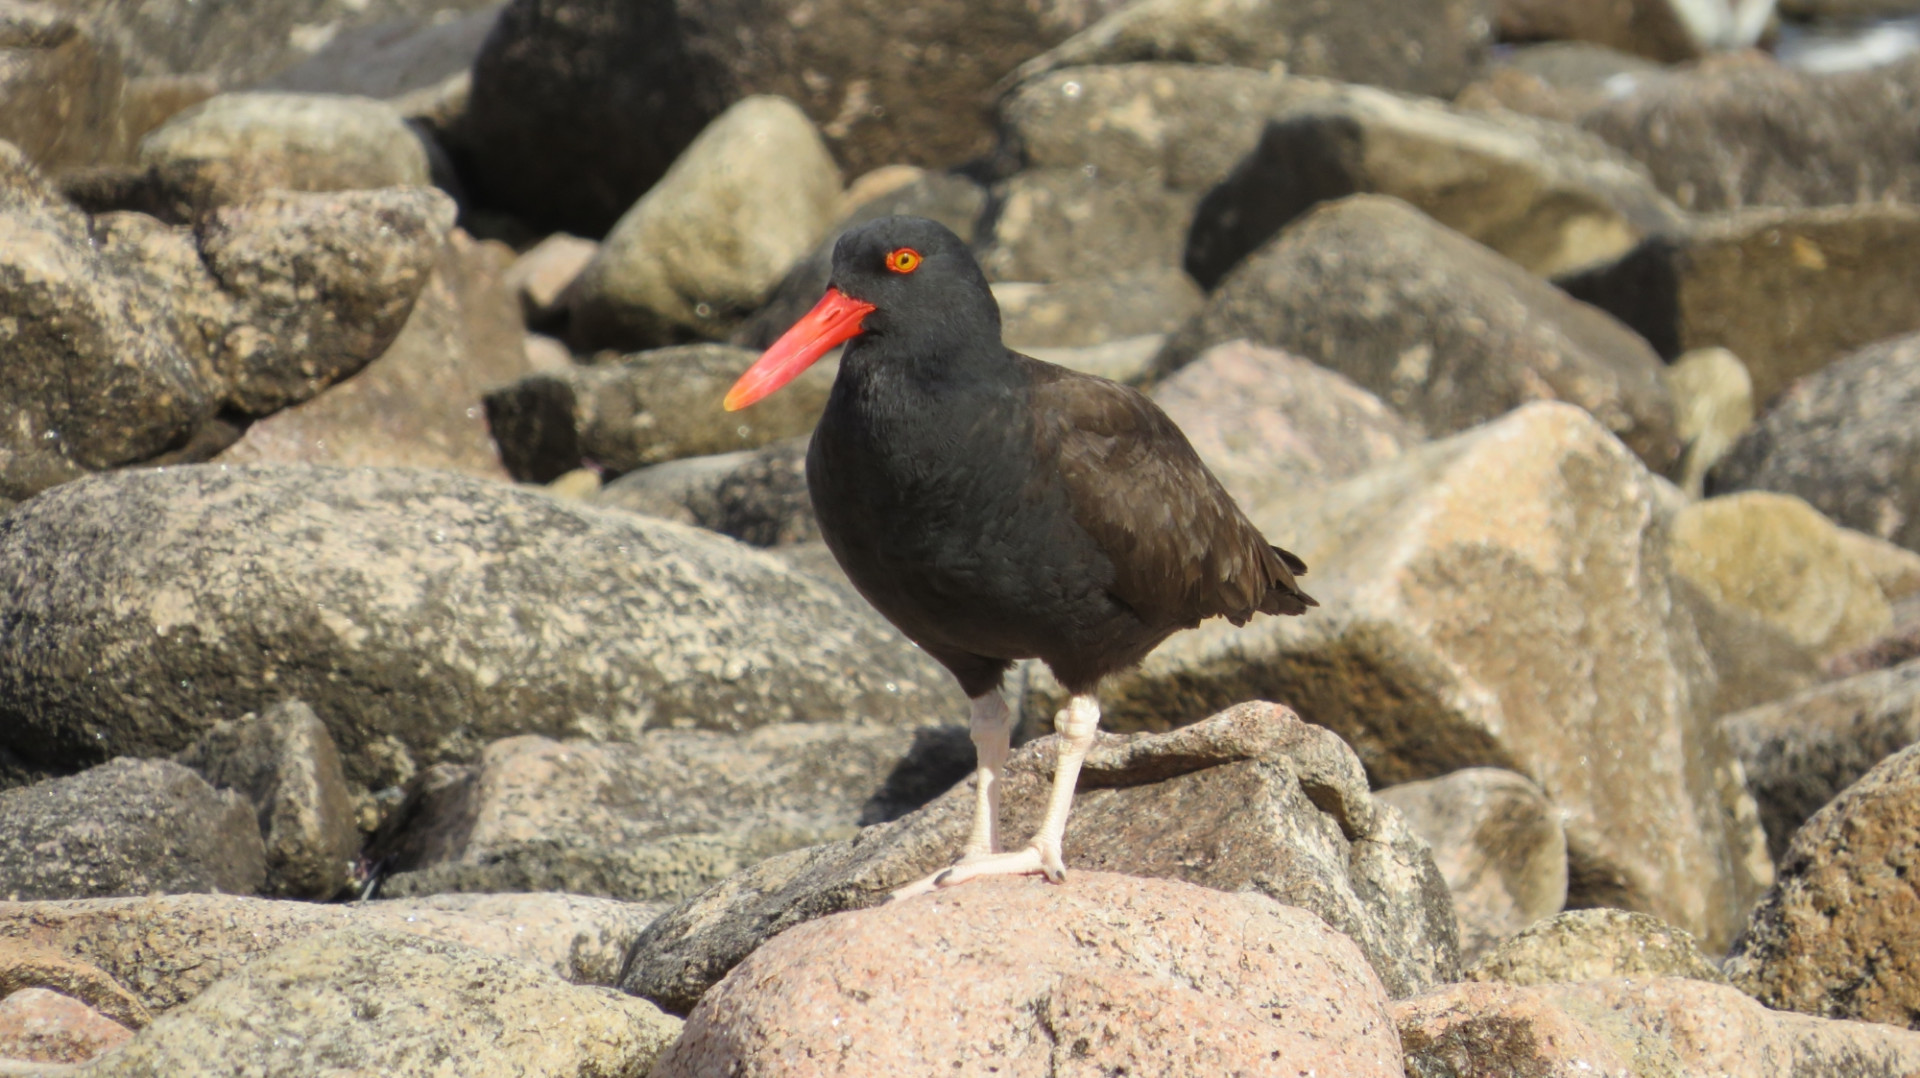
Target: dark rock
{"type": "Point", "coordinates": [1833, 936]}
{"type": "Point", "coordinates": [1801, 752]}
{"type": "Point", "coordinates": [421, 614]}
{"type": "Point", "coordinates": [286, 765]}
{"type": "Point", "coordinates": [127, 827]}
{"type": "Point", "coordinates": [60, 87]}
{"type": "Point", "coordinates": [758, 497]}
{"type": "Point", "coordinates": [1594, 945]}
{"type": "Point", "coordinates": [1444, 330]}
{"type": "Point", "coordinates": [1251, 799]}
{"type": "Point", "coordinates": [1098, 310]}
{"type": "Point", "coordinates": [1843, 439]}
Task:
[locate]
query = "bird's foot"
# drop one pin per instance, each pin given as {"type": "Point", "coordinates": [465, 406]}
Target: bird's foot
{"type": "Point", "coordinates": [1030, 861]}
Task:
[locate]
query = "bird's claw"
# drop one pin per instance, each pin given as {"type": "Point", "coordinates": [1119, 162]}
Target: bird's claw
{"type": "Point", "coordinates": [1030, 861]}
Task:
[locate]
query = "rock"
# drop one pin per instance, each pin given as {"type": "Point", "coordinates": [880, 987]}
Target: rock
{"type": "Point", "coordinates": [645, 408]}
{"type": "Point", "coordinates": [1788, 292]}
{"type": "Point", "coordinates": [1268, 423]}
{"type": "Point", "coordinates": [168, 949]}
{"type": "Point", "coordinates": [540, 277]}
{"type": "Point", "coordinates": [1109, 975]}
{"type": "Point", "coordinates": [419, 403]}
{"type": "Point", "coordinates": [420, 614]}
{"type": "Point", "coordinates": [708, 243]}
{"type": "Point", "coordinates": [1096, 310]}
{"type": "Point", "coordinates": [1592, 681]}
{"type": "Point", "coordinates": [234, 146]}
{"type": "Point", "coordinates": [1596, 945]}
{"type": "Point", "coordinates": [1433, 51]}
{"type": "Point", "coordinates": [1754, 660]}
{"type": "Point", "coordinates": [60, 87]}
{"type": "Point", "coordinates": [1776, 558]}
{"type": "Point", "coordinates": [1800, 753]}
{"type": "Point", "coordinates": [1057, 224]}
{"type": "Point", "coordinates": [664, 818]}
{"type": "Point", "coordinates": [1895, 569]}
{"type": "Point", "coordinates": [1650, 28]}
{"type": "Point", "coordinates": [1444, 330]}
{"type": "Point", "coordinates": [1739, 132]}
{"type": "Point", "coordinates": [580, 105]}
{"type": "Point", "coordinates": [1249, 800]}
{"type": "Point", "coordinates": [1126, 360]}
{"type": "Point", "coordinates": [26, 964]}
{"type": "Point", "coordinates": [1832, 936]}
{"type": "Point", "coordinates": [285, 763]}
{"type": "Point", "coordinates": [396, 56]}
{"type": "Point", "coordinates": [756, 496]}
{"type": "Point", "coordinates": [42, 1026]}
{"type": "Point", "coordinates": [1499, 844]}
{"type": "Point", "coordinates": [1546, 197]}
{"type": "Point", "coordinates": [1632, 1027]}
{"type": "Point", "coordinates": [1712, 407]}
{"type": "Point", "coordinates": [1557, 80]}
{"type": "Point", "coordinates": [1843, 440]}
{"type": "Point", "coordinates": [127, 827]}
{"type": "Point", "coordinates": [391, 1003]}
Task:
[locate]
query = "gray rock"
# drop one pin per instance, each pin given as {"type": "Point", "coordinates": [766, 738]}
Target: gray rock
{"type": "Point", "coordinates": [127, 827]}
{"type": "Point", "coordinates": [1433, 50]}
{"type": "Point", "coordinates": [1126, 360]}
{"type": "Point", "coordinates": [1594, 945]}
{"type": "Point", "coordinates": [1098, 310]}
{"type": "Point", "coordinates": [1712, 408]}
{"type": "Point", "coordinates": [540, 276]}
{"type": "Point", "coordinates": [286, 765]}
{"type": "Point", "coordinates": [1269, 424]}
{"type": "Point", "coordinates": [396, 56]}
{"type": "Point", "coordinates": [1557, 80]}
{"type": "Point", "coordinates": [646, 408]}
{"type": "Point", "coordinates": [60, 87]}
{"type": "Point", "coordinates": [707, 244]}
{"type": "Point", "coordinates": [1250, 799]}
{"type": "Point", "coordinates": [1754, 660]}
{"type": "Point", "coordinates": [665, 817]}
{"type": "Point", "coordinates": [1446, 331]}
{"type": "Point", "coordinates": [1844, 440]}
{"type": "Point", "coordinates": [1546, 197]}
{"type": "Point", "coordinates": [1056, 224]}
{"type": "Point", "coordinates": [238, 145]}
{"type": "Point", "coordinates": [1498, 842]}
{"type": "Point", "coordinates": [1801, 752]}
{"type": "Point", "coordinates": [758, 497]}
{"type": "Point", "coordinates": [391, 1003]}
{"type": "Point", "coordinates": [421, 615]}
{"type": "Point", "coordinates": [1788, 291]}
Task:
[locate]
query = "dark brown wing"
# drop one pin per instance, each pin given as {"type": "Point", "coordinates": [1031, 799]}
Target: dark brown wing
{"type": "Point", "coordinates": [1182, 550]}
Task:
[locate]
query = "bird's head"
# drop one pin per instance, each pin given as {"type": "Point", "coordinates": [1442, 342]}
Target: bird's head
{"type": "Point", "coordinates": [904, 279]}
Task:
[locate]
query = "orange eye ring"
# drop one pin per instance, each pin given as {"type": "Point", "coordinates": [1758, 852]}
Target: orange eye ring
{"type": "Point", "coordinates": [903, 260]}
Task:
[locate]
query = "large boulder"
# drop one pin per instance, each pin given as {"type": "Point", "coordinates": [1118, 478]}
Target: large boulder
{"type": "Point", "coordinates": [1594, 945]}
{"type": "Point", "coordinates": [1502, 599]}
{"type": "Point", "coordinates": [420, 614]}
{"type": "Point", "coordinates": [39, 1025]}
{"type": "Point", "coordinates": [1844, 440]}
{"type": "Point", "coordinates": [1251, 799]}
{"type": "Point", "coordinates": [1446, 331]}
{"type": "Point", "coordinates": [1834, 935]}
{"type": "Point", "coordinates": [1108, 975]}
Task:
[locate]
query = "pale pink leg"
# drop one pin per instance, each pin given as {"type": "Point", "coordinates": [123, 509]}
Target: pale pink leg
{"type": "Point", "coordinates": [992, 726]}
{"type": "Point", "coordinates": [1076, 724]}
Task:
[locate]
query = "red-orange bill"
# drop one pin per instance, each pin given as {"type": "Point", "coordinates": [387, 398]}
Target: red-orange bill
{"type": "Point", "coordinates": [833, 321]}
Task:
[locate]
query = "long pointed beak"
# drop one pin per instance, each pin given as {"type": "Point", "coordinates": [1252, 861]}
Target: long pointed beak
{"type": "Point", "coordinates": [835, 319]}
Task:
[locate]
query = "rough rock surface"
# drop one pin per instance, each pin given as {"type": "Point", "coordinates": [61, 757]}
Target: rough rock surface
{"type": "Point", "coordinates": [1596, 945]}
{"type": "Point", "coordinates": [127, 827]}
{"type": "Point", "coordinates": [60, 86]}
{"type": "Point", "coordinates": [1834, 936]}
{"type": "Point", "coordinates": [1499, 843]}
{"type": "Point", "coordinates": [1250, 799]}
{"type": "Point", "coordinates": [1092, 311]}
{"type": "Point", "coordinates": [128, 955]}
{"type": "Point", "coordinates": [665, 817]}
{"type": "Point", "coordinates": [27, 964]}
{"type": "Point", "coordinates": [707, 244]}
{"type": "Point", "coordinates": [1106, 975]}
{"type": "Point", "coordinates": [1844, 440]}
{"type": "Point", "coordinates": [756, 496]}
{"type": "Point", "coordinates": [1788, 291]}
{"type": "Point", "coordinates": [1650, 28]}
{"type": "Point", "coordinates": [1593, 681]}
{"type": "Point", "coordinates": [420, 614]}
{"type": "Point", "coordinates": [392, 1003]}
{"type": "Point", "coordinates": [1441, 328]}
{"type": "Point", "coordinates": [39, 1025]}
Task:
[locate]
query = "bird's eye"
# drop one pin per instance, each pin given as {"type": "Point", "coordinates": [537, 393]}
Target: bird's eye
{"type": "Point", "coordinates": [903, 260]}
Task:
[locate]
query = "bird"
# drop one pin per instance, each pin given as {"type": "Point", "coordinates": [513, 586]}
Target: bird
{"type": "Point", "coordinates": [996, 508]}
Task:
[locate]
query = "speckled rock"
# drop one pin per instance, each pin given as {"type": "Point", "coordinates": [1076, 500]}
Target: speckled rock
{"type": "Point", "coordinates": [39, 1025]}
{"type": "Point", "coordinates": [420, 614]}
{"type": "Point", "coordinates": [1595, 945]}
{"type": "Point", "coordinates": [1834, 935]}
{"type": "Point", "coordinates": [1499, 843]}
{"type": "Point", "coordinates": [124, 828]}
{"type": "Point", "coordinates": [1109, 974]}
{"type": "Point", "coordinates": [757, 496]}
{"type": "Point", "coordinates": [25, 963]}
{"type": "Point", "coordinates": [1096, 310]}
{"type": "Point", "coordinates": [1444, 330]}
{"type": "Point", "coordinates": [395, 1004]}
{"type": "Point", "coordinates": [664, 818]}
{"type": "Point", "coordinates": [1251, 799]}
{"type": "Point", "coordinates": [60, 86]}
{"type": "Point", "coordinates": [166, 950]}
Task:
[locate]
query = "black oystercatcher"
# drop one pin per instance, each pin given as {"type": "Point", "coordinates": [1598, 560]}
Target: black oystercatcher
{"type": "Point", "coordinates": [996, 507]}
